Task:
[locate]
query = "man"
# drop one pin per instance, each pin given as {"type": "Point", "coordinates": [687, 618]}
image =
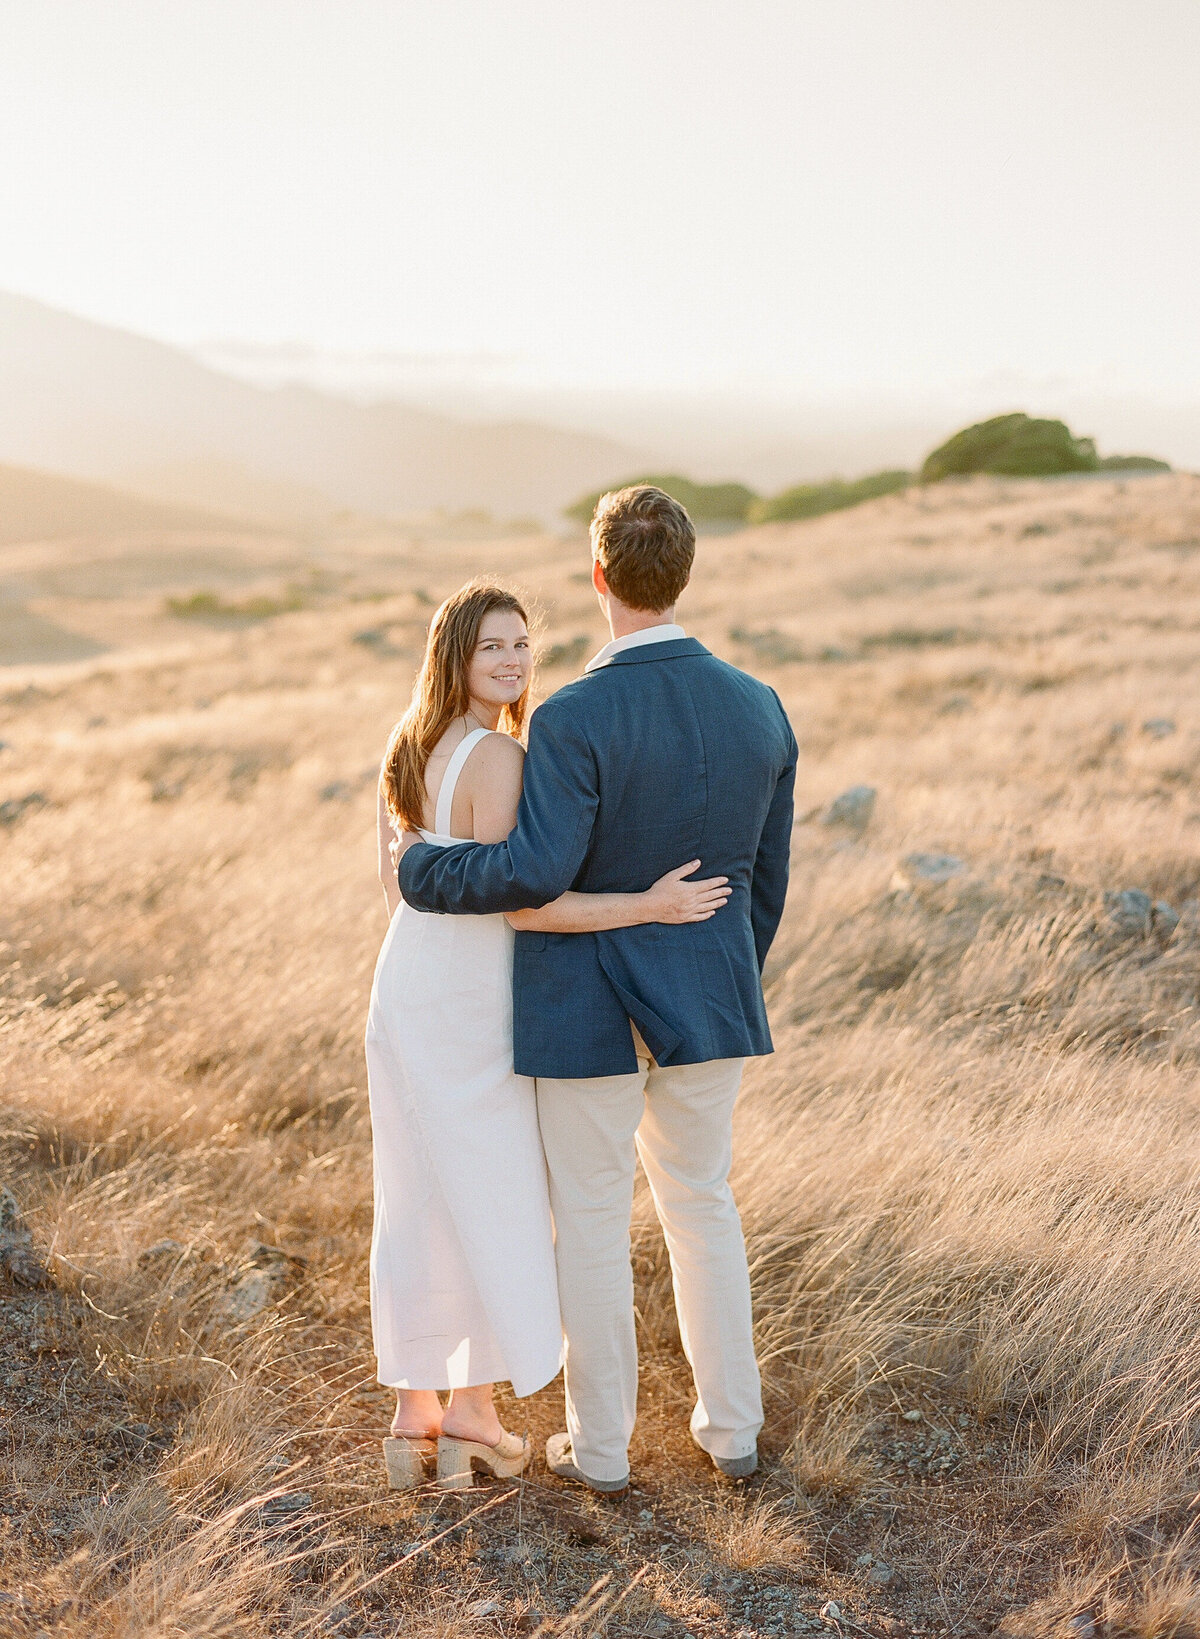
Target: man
{"type": "Point", "coordinates": [659, 754]}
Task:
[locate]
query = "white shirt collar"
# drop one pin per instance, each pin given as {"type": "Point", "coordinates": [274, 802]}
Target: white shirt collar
{"type": "Point", "coordinates": [634, 640]}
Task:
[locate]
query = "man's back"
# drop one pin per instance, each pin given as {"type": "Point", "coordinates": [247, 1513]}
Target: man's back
{"type": "Point", "coordinates": [688, 756]}
{"type": "Point", "coordinates": [662, 755]}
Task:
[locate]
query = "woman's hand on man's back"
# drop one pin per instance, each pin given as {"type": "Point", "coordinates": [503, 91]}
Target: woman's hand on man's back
{"type": "Point", "coordinates": [674, 899]}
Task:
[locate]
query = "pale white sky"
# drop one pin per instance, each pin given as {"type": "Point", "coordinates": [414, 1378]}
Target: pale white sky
{"type": "Point", "coordinates": [793, 195]}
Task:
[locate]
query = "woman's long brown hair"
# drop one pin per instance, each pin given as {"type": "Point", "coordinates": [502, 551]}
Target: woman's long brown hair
{"type": "Point", "coordinates": [440, 695]}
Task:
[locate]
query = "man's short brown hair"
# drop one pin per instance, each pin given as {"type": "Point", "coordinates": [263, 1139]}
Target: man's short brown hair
{"type": "Point", "coordinates": [645, 542]}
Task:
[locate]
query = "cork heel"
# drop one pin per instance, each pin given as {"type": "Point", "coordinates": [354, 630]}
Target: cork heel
{"type": "Point", "coordinates": [408, 1462]}
{"type": "Point", "coordinates": [457, 1460]}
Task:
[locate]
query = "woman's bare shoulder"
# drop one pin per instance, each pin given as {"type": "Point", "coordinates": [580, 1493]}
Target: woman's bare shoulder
{"type": "Point", "coordinates": [499, 757]}
{"type": "Point", "coordinates": [497, 751]}
{"type": "Point", "coordinates": [503, 748]}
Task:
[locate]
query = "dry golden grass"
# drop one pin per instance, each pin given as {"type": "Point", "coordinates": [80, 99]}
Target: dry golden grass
{"type": "Point", "coordinates": [970, 1175]}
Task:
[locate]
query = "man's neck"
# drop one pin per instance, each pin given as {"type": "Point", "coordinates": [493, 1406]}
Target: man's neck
{"type": "Point", "coordinates": [623, 621]}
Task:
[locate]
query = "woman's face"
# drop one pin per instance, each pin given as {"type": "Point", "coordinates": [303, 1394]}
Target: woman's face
{"type": "Point", "coordinates": [499, 671]}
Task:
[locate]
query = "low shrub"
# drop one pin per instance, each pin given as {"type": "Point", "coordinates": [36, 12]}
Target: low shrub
{"type": "Point", "coordinates": [707, 503]}
{"type": "Point", "coordinates": [811, 500]}
{"type": "Point", "coordinates": [210, 606]}
{"type": "Point", "coordinates": [1133, 463]}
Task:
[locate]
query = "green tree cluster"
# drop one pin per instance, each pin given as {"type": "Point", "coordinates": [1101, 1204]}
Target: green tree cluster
{"type": "Point", "coordinates": [1016, 446]}
{"type": "Point", "coordinates": [1023, 446]}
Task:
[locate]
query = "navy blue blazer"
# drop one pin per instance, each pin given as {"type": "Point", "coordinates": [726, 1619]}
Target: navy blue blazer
{"type": "Point", "coordinates": [662, 755]}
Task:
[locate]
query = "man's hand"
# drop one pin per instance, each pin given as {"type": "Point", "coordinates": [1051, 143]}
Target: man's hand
{"type": "Point", "coordinates": [399, 846]}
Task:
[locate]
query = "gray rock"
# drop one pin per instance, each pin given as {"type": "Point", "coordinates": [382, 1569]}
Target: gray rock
{"type": "Point", "coordinates": [259, 1255]}
{"type": "Point", "coordinates": [912, 1416]}
{"type": "Point", "coordinates": [1130, 912]}
{"type": "Point", "coordinates": [17, 1258]}
{"type": "Point", "coordinates": [1158, 728]}
{"type": "Point", "coordinates": [262, 1277]}
{"type": "Point", "coordinates": [287, 1505]}
{"type": "Point", "coordinates": [927, 870]}
{"type": "Point", "coordinates": [880, 1574]}
{"type": "Point", "coordinates": [167, 1251]}
{"type": "Point", "coordinates": [21, 1262]}
{"type": "Point", "coordinates": [248, 1297]}
{"type": "Point", "coordinates": [485, 1607]}
{"type": "Point", "coordinates": [12, 810]}
{"type": "Point", "coordinates": [852, 809]}
{"type": "Point", "coordinates": [831, 1611]}
{"type": "Point", "coordinates": [1165, 918]}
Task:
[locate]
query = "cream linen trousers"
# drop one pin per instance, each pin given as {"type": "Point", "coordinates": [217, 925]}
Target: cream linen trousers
{"type": "Point", "coordinates": [678, 1120]}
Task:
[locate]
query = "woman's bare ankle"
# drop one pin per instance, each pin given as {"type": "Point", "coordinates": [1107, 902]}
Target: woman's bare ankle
{"type": "Point", "coordinates": [470, 1415]}
{"type": "Point", "coordinates": [418, 1414]}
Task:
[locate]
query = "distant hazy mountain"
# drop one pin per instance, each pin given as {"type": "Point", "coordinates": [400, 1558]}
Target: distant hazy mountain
{"type": "Point", "coordinates": [41, 506]}
{"type": "Point", "coordinates": [83, 398]}
{"type": "Point", "coordinates": [769, 438]}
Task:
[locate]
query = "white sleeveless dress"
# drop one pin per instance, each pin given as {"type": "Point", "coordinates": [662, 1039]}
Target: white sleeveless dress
{"type": "Point", "coordinates": [463, 1287]}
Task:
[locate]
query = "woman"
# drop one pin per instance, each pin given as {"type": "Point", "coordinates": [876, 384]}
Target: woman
{"type": "Point", "coordinates": [463, 1290]}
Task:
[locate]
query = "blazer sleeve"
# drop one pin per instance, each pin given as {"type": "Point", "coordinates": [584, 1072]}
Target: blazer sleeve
{"type": "Point", "coordinates": [541, 856]}
{"type": "Point", "coordinates": [768, 886]}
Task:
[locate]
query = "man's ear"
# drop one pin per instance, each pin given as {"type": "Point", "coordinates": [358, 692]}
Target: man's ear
{"type": "Point", "coordinates": [598, 580]}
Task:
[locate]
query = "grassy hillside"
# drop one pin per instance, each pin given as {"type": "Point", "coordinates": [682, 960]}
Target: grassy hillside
{"type": "Point", "coordinates": [969, 1175]}
{"type": "Point", "coordinates": [40, 506]}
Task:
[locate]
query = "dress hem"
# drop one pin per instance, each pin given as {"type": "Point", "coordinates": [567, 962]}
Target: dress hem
{"type": "Point", "coordinates": [448, 1388]}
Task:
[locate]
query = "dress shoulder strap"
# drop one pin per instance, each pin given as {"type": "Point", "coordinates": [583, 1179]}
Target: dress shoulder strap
{"type": "Point", "coordinates": [445, 797]}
